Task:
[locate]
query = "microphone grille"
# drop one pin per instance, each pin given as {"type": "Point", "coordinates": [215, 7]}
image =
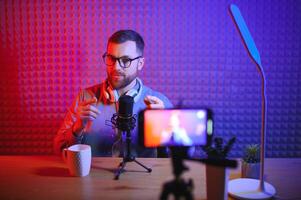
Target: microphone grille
{"type": "Point", "coordinates": [126, 103]}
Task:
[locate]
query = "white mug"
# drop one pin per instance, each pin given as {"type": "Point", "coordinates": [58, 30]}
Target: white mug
{"type": "Point", "coordinates": [78, 159]}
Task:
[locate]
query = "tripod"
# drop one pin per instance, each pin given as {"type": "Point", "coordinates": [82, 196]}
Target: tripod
{"type": "Point", "coordinates": [178, 187]}
{"type": "Point", "coordinates": [128, 157]}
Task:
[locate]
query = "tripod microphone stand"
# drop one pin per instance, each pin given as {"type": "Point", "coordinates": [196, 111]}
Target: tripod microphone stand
{"type": "Point", "coordinates": [128, 157]}
{"type": "Point", "coordinates": [125, 121]}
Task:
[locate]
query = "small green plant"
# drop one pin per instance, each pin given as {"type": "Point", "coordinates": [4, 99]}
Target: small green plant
{"type": "Point", "coordinates": [252, 154]}
{"type": "Point", "coordinates": [218, 150]}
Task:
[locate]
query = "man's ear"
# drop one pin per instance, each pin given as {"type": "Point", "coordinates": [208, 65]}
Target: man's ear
{"type": "Point", "coordinates": [140, 63]}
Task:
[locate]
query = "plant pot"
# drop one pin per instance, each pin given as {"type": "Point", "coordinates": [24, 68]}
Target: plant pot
{"type": "Point", "coordinates": [217, 182]}
{"type": "Point", "coordinates": [250, 170]}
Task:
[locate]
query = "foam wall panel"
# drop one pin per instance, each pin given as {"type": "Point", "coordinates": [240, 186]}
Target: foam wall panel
{"type": "Point", "coordinates": [51, 49]}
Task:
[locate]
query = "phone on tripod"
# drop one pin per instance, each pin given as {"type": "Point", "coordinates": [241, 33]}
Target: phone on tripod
{"type": "Point", "coordinates": [175, 127]}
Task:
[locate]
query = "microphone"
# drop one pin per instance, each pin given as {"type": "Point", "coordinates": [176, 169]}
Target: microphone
{"type": "Point", "coordinates": [124, 119]}
{"type": "Point", "coordinates": [125, 103]}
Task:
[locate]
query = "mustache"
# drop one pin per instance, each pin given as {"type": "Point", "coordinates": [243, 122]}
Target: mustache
{"type": "Point", "coordinates": [116, 73]}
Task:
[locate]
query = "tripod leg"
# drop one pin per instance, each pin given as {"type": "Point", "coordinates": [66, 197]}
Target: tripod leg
{"type": "Point", "coordinates": [148, 169]}
{"type": "Point", "coordinates": [120, 170]}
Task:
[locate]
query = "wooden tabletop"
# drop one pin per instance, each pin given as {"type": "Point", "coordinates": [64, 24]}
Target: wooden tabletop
{"type": "Point", "coordinates": [47, 177]}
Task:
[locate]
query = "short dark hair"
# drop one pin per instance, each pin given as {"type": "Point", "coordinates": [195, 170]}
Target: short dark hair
{"type": "Point", "coordinates": [122, 36]}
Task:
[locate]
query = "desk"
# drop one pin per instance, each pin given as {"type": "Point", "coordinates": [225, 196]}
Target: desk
{"type": "Point", "coordinates": [47, 177]}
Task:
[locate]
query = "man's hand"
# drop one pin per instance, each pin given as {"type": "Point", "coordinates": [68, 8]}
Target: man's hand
{"type": "Point", "coordinates": [153, 102]}
{"type": "Point", "coordinates": [86, 111]}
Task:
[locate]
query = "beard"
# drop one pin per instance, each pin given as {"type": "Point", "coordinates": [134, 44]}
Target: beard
{"type": "Point", "coordinates": [120, 80]}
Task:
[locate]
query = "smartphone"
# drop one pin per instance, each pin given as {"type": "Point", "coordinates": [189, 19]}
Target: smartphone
{"type": "Point", "coordinates": [175, 127]}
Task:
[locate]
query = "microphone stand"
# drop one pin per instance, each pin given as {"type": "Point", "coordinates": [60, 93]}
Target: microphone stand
{"type": "Point", "coordinates": [128, 157]}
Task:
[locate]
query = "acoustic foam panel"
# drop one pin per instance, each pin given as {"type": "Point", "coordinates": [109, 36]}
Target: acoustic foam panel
{"type": "Point", "coordinates": [51, 49]}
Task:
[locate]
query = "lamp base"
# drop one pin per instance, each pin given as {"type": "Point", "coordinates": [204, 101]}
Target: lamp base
{"type": "Point", "coordinates": [247, 188]}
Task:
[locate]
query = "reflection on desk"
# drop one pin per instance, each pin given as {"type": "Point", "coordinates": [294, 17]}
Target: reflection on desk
{"type": "Point", "coordinates": [47, 177]}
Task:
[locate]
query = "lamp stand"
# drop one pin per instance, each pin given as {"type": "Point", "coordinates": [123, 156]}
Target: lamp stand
{"type": "Point", "coordinates": [247, 188]}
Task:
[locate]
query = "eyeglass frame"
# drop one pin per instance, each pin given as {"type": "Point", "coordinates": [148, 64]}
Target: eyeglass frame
{"type": "Point", "coordinates": [118, 59]}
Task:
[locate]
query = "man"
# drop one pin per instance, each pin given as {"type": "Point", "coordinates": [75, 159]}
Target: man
{"type": "Point", "coordinates": [85, 121]}
{"type": "Point", "coordinates": [175, 134]}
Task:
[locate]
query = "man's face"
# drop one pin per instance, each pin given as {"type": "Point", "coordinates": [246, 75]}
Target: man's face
{"type": "Point", "coordinates": [120, 77]}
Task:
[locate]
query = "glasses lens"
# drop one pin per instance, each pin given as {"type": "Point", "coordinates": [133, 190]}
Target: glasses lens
{"type": "Point", "coordinates": [109, 60]}
{"type": "Point", "coordinates": [125, 62]}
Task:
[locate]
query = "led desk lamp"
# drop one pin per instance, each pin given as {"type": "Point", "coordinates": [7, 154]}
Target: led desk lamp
{"type": "Point", "coordinates": [246, 188]}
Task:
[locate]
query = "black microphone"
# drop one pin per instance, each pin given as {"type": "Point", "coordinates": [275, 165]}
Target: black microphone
{"type": "Point", "coordinates": [124, 120]}
{"type": "Point", "coordinates": [125, 104]}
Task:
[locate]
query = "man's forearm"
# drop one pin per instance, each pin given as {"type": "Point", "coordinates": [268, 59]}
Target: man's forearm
{"type": "Point", "coordinates": [65, 136]}
{"type": "Point", "coordinates": [77, 129]}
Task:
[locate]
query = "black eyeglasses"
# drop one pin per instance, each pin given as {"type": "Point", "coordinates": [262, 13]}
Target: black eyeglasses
{"type": "Point", "coordinates": [124, 62]}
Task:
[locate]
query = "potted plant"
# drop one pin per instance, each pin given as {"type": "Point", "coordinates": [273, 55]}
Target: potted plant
{"type": "Point", "coordinates": [251, 162]}
{"type": "Point", "coordinates": [217, 177]}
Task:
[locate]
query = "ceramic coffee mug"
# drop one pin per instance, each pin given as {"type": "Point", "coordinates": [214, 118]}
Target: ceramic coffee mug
{"type": "Point", "coordinates": [78, 159]}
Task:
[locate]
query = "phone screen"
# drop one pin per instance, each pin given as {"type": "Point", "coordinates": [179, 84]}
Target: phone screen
{"type": "Point", "coordinates": [175, 127]}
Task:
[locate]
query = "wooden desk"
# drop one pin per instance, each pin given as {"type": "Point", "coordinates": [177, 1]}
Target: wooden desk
{"type": "Point", "coordinates": [47, 177]}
